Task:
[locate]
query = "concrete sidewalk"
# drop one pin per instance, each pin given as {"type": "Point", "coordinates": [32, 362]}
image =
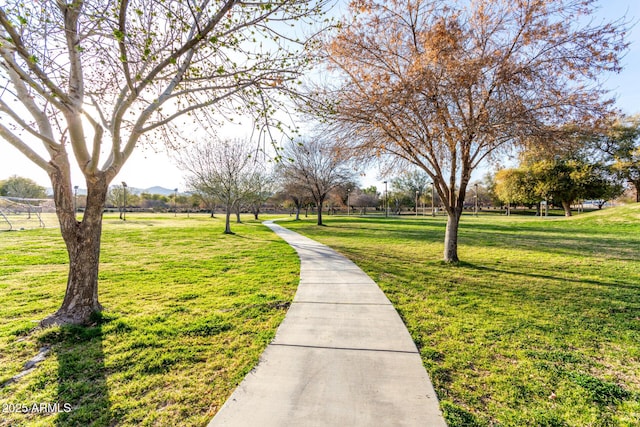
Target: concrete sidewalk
{"type": "Point", "coordinates": [341, 357]}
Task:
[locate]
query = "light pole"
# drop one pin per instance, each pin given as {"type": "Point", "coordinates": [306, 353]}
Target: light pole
{"type": "Point", "coordinates": [75, 199]}
{"type": "Point", "coordinates": [433, 212]}
{"type": "Point", "coordinates": [175, 200]}
{"type": "Point", "coordinates": [417, 192]}
{"type": "Point", "coordinates": [386, 201]}
{"type": "Point", "coordinates": [475, 186]}
{"type": "Point", "coordinates": [123, 215]}
{"type": "Point", "coordinates": [348, 202]}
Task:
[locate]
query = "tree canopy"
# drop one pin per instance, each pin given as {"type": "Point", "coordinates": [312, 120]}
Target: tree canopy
{"type": "Point", "coordinates": [17, 186]}
{"type": "Point", "coordinates": [224, 170]}
{"type": "Point", "coordinates": [97, 77]}
{"type": "Point", "coordinates": [410, 182]}
{"type": "Point", "coordinates": [316, 168]}
{"type": "Point", "coordinates": [561, 179]}
{"type": "Point", "coordinates": [621, 145]}
{"type": "Point", "coordinates": [444, 85]}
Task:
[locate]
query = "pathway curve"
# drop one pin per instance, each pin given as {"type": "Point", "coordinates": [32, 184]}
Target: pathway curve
{"type": "Point", "coordinates": [341, 357]}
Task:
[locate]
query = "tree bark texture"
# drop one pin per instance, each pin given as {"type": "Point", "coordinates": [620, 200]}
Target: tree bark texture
{"type": "Point", "coordinates": [82, 239]}
{"type": "Point", "coordinates": [320, 206]}
{"type": "Point", "coordinates": [238, 220]}
{"type": "Point", "coordinates": [227, 222]}
{"type": "Point", "coordinates": [451, 236]}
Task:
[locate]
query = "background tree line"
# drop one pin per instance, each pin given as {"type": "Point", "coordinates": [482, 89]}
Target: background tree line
{"type": "Point", "coordinates": [438, 85]}
{"type": "Point", "coordinates": [231, 175]}
{"type": "Point", "coordinates": [21, 187]}
{"type": "Point", "coordinates": [599, 167]}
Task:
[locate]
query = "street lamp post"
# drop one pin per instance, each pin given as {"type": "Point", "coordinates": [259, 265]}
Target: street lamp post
{"type": "Point", "coordinates": [417, 192]}
{"type": "Point", "coordinates": [433, 212]}
{"type": "Point", "coordinates": [123, 214]}
{"type": "Point", "coordinates": [348, 201]}
{"type": "Point", "coordinates": [75, 199]}
{"type": "Point", "coordinates": [386, 201]}
{"type": "Point", "coordinates": [476, 197]}
{"type": "Point", "coordinates": [175, 200]}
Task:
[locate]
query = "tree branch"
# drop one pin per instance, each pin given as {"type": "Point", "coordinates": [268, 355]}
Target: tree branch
{"type": "Point", "coordinates": [20, 48]}
{"type": "Point", "coordinates": [24, 148]}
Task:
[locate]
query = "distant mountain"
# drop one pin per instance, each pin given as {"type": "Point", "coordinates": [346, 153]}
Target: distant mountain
{"type": "Point", "coordinates": [158, 190]}
{"type": "Point", "coordinates": [151, 190]}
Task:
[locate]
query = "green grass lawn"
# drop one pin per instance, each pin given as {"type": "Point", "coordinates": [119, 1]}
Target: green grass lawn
{"type": "Point", "coordinates": [538, 326]}
{"type": "Point", "coordinates": [188, 310]}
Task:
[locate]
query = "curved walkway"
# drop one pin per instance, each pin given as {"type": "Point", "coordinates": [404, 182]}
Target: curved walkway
{"type": "Point", "coordinates": [341, 357]}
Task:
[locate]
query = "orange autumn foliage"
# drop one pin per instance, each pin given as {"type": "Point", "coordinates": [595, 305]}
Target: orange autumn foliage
{"type": "Point", "coordinates": [444, 85]}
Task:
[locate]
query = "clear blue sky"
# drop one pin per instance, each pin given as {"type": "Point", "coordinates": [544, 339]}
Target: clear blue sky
{"type": "Point", "coordinates": [626, 85]}
{"type": "Point", "coordinates": [147, 168]}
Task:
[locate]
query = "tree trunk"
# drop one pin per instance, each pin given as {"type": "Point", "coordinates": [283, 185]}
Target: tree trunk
{"type": "Point", "coordinates": [320, 207]}
{"type": "Point", "coordinates": [227, 223]}
{"type": "Point", "coordinates": [238, 214]}
{"type": "Point", "coordinates": [82, 239]}
{"type": "Point", "coordinates": [567, 207]}
{"type": "Point", "coordinates": [298, 207]}
{"type": "Point", "coordinates": [451, 236]}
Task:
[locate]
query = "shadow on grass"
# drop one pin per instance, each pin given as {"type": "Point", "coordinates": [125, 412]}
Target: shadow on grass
{"type": "Point", "coordinates": [529, 274]}
{"type": "Point", "coordinates": [82, 379]}
{"type": "Point", "coordinates": [555, 238]}
{"type": "Point", "coordinates": [541, 308]}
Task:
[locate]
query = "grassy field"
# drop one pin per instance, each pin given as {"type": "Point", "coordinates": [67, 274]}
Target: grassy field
{"type": "Point", "coordinates": [188, 312]}
{"type": "Point", "coordinates": [538, 326]}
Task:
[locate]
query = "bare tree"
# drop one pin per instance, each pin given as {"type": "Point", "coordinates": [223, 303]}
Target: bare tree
{"type": "Point", "coordinates": [293, 191]}
{"type": "Point", "coordinates": [97, 77]}
{"type": "Point", "coordinates": [314, 166]}
{"type": "Point", "coordinates": [365, 198]}
{"type": "Point", "coordinates": [260, 186]}
{"type": "Point", "coordinates": [203, 194]}
{"type": "Point", "coordinates": [222, 169]}
{"type": "Point", "coordinates": [442, 85]}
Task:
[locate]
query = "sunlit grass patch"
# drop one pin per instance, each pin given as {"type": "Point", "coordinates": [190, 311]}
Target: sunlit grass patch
{"type": "Point", "coordinates": [538, 325]}
{"type": "Point", "coordinates": [188, 311]}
